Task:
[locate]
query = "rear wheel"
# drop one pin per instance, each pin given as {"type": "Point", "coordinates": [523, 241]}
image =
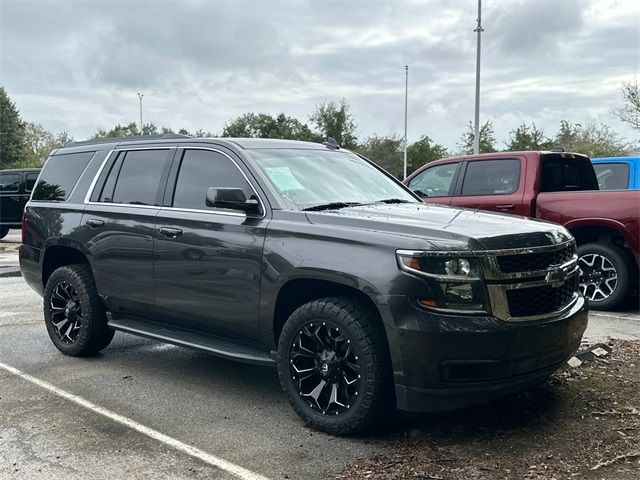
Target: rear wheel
{"type": "Point", "coordinates": [74, 316]}
{"type": "Point", "coordinates": [605, 279]}
{"type": "Point", "coordinates": [333, 365]}
{"type": "Point", "coordinates": [3, 232]}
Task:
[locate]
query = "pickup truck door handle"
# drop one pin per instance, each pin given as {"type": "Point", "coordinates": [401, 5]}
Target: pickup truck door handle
{"type": "Point", "coordinates": [15, 199]}
{"type": "Point", "coordinates": [170, 232]}
{"type": "Point", "coordinates": [506, 206]}
{"type": "Point", "coordinates": [94, 223]}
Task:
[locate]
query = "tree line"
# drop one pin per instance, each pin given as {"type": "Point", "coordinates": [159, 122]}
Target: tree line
{"type": "Point", "coordinates": [24, 144]}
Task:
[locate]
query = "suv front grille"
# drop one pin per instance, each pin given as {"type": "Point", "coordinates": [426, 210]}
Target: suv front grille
{"type": "Point", "coordinates": [526, 302]}
{"type": "Point", "coordinates": [529, 262]}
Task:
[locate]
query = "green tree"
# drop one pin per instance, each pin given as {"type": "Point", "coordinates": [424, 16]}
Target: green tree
{"type": "Point", "coordinates": [40, 142]}
{"type": "Point", "coordinates": [629, 112]}
{"type": "Point", "coordinates": [263, 125]}
{"type": "Point", "coordinates": [13, 152]}
{"type": "Point", "coordinates": [423, 151]}
{"type": "Point", "coordinates": [384, 151]}
{"type": "Point", "coordinates": [334, 119]}
{"type": "Point", "coordinates": [527, 137]}
{"type": "Point", "coordinates": [487, 139]}
{"type": "Point", "coordinates": [590, 139]}
{"type": "Point", "coordinates": [130, 130]}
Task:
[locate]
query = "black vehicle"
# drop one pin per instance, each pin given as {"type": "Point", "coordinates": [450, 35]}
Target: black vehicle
{"type": "Point", "coordinates": [304, 256]}
{"type": "Point", "coordinates": [15, 189]}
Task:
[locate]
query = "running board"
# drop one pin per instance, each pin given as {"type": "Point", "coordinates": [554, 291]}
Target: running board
{"type": "Point", "coordinates": [197, 341]}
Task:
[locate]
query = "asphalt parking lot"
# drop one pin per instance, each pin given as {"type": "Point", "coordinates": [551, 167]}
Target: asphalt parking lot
{"type": "Point", "coordinates": [155, 410]}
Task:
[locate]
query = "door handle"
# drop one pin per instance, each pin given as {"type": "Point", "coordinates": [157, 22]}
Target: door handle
{"type": "Point", "coordinates": [170, 232]}
{"type": "Point", "coordinates": [506, 206]}
{"type": "Point", "coordinates": [15, 199]}
{"type": "Point", "coordinates": [94, 223]}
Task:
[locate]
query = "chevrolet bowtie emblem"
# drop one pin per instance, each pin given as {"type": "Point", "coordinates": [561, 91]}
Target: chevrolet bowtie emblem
{"type": "Point", "coordinates": [556, 276]}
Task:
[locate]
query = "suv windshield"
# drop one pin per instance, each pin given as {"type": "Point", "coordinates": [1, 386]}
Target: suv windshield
{"type": "Point", "coordinates": [319, 179]}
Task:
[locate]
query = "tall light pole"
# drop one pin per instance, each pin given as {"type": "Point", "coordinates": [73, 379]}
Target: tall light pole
{"type": "Point", "coordinates": [140, 95]}
{"type": "Point", "coordinates": [476, 133]}
{"type": "Point", "coordinates": [406, 96]}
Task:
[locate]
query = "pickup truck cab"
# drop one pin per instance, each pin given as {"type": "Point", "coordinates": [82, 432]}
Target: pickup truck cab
{"type": "Point", "coordinates": [15, 188]}
{"type": "Point", "coordinates": [617, 173]}
{"type": "Point", "coordinates": [302, 256]}
{"type": "Point", "coordinates": [555, 186]}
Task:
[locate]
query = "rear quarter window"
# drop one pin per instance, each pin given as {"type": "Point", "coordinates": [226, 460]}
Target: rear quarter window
{"type": "Point", "coordinates": [60, 175]}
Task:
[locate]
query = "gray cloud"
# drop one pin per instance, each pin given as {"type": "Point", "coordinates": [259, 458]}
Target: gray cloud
{"type": "Point", "coordinates": [78, 65]}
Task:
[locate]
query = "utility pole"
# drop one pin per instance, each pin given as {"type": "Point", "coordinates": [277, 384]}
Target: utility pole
{"type": "Point", "coordinates": [140, 95]}
{"type": "Point", "coordinates": [476, 134]}
{"type": "Point", "coordinates": [406, 96]}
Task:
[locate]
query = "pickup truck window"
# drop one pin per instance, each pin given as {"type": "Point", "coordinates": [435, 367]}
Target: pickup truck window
{"type": "Point", "coordinates": [435, 181]}
{"type": "Point", "coordinates": [612, 176]}
{"type": "Point", "coordinates": [60, 175]}
{"type": "Point", "coordinates": [9, 182]}
{"type": "Point", "coordinates": [201, 169]}
{"type": "Point", "coordinates": [491, 177]}
{"type": "Point", "coordinates": [30, 181]}
{"type": "Point", "coordinates": [567, 174]}
{"type": "Point", "coordinates": [310, 178]}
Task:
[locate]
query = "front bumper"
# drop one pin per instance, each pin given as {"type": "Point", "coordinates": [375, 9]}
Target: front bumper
{"type": "Point", "coordinates": [443, 362]}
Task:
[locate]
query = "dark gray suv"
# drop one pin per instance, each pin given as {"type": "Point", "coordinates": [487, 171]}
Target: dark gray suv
{"type": "Point", "coordinates": [304, 256]}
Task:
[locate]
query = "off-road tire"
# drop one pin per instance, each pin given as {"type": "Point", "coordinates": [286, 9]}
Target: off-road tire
{"type": "Point", "coordinates": [620, 261]}
{"type": "Point", "coordinates": [94, 334]}
{"type": "Point", "coordinates": [364, 328]}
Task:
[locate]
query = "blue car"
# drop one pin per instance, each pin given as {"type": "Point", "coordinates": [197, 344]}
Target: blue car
{"type": "Point", "coordinates": [617, 173]}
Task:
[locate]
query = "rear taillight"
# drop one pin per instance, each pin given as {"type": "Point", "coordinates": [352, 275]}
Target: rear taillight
{"type": "Point", "coordinates": [24, 225]}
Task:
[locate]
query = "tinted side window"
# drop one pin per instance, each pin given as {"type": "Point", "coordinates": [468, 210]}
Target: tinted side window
{"type": "Point", "coordinates": [138, 178]}
{"type": "Point", "coordinates": [60, 174]}
{"type": "Point", "coordinates": [612, 176]}
{"type": "Point", "coordinates": [9, 182]}
{"type": "Point", "coordinates": [491, 177]}
{"type": "Point", "coordinates": [435, 181]}
{"type": "Point", "coordinates": [30, 181]}
{"type": "Point", "coordinates": [567, 174]}
{"type": "Point", "coordinates": [201, 169]}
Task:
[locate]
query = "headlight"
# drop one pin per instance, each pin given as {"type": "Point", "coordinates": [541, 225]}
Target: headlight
{"type": "Point", "coordinates": [455, 280]}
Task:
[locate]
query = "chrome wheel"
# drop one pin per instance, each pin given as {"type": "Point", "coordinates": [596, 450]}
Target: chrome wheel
{"type": "Point", "coordinates": [324, 368]}
{"type": "Point", "coordinates": [598, 277]}
{"type": "Point", "coordinates": [65, 312]}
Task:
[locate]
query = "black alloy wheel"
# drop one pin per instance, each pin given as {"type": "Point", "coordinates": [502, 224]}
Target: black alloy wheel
{"type": "Point", "coordinates": [333, 365]}
{"type": "Point", "coordinates": [73, 312]}
{"type": "Point", "coordinates": [65, 311]}
{"type": "Point", "coordinates": [325, 368]}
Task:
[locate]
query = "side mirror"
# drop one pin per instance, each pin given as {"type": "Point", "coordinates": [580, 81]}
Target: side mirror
{"type": "Point", "coordinates": [233, 199]}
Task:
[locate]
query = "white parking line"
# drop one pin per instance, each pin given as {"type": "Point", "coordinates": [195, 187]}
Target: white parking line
{"type": "Point", "coordinates": [220, 463]}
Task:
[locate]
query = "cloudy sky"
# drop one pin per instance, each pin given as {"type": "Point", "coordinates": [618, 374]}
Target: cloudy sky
{"type": "Point", "coordinates": [77, 66]}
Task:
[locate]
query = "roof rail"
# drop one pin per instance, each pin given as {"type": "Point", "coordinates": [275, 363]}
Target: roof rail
{"type": "Point", "coordinates": [131, 138]}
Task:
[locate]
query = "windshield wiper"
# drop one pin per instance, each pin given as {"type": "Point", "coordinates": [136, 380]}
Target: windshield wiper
{"type": "Point", "coordinates": [331, 206]}
{"type": "Point", "coordinates": [393, 200]}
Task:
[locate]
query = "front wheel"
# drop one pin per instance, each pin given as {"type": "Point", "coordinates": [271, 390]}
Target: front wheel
{"type": "Point", "coordinates": [605, 280]}
{"type": "Point", "coordinates": [333, 365]}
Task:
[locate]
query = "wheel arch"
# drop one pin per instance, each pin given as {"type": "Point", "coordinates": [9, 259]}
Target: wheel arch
{"type": "Point", "coordinates": [59, 255]}
{"type": "Point", "coordinates": [605, 231]}
{"type": "Point", "coordinates": [298, 291]}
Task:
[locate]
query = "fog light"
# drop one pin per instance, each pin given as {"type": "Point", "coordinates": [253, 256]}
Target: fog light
{"type": "Point", "coordinates": [459, 292]}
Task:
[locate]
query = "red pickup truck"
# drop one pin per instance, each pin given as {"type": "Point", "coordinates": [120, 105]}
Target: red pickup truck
{"type": "Point", "coordinates": [558, 187]}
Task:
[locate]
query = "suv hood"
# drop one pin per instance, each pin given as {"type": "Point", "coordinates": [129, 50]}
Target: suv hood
{"type": "Point", "coordinates": [446, 228]}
